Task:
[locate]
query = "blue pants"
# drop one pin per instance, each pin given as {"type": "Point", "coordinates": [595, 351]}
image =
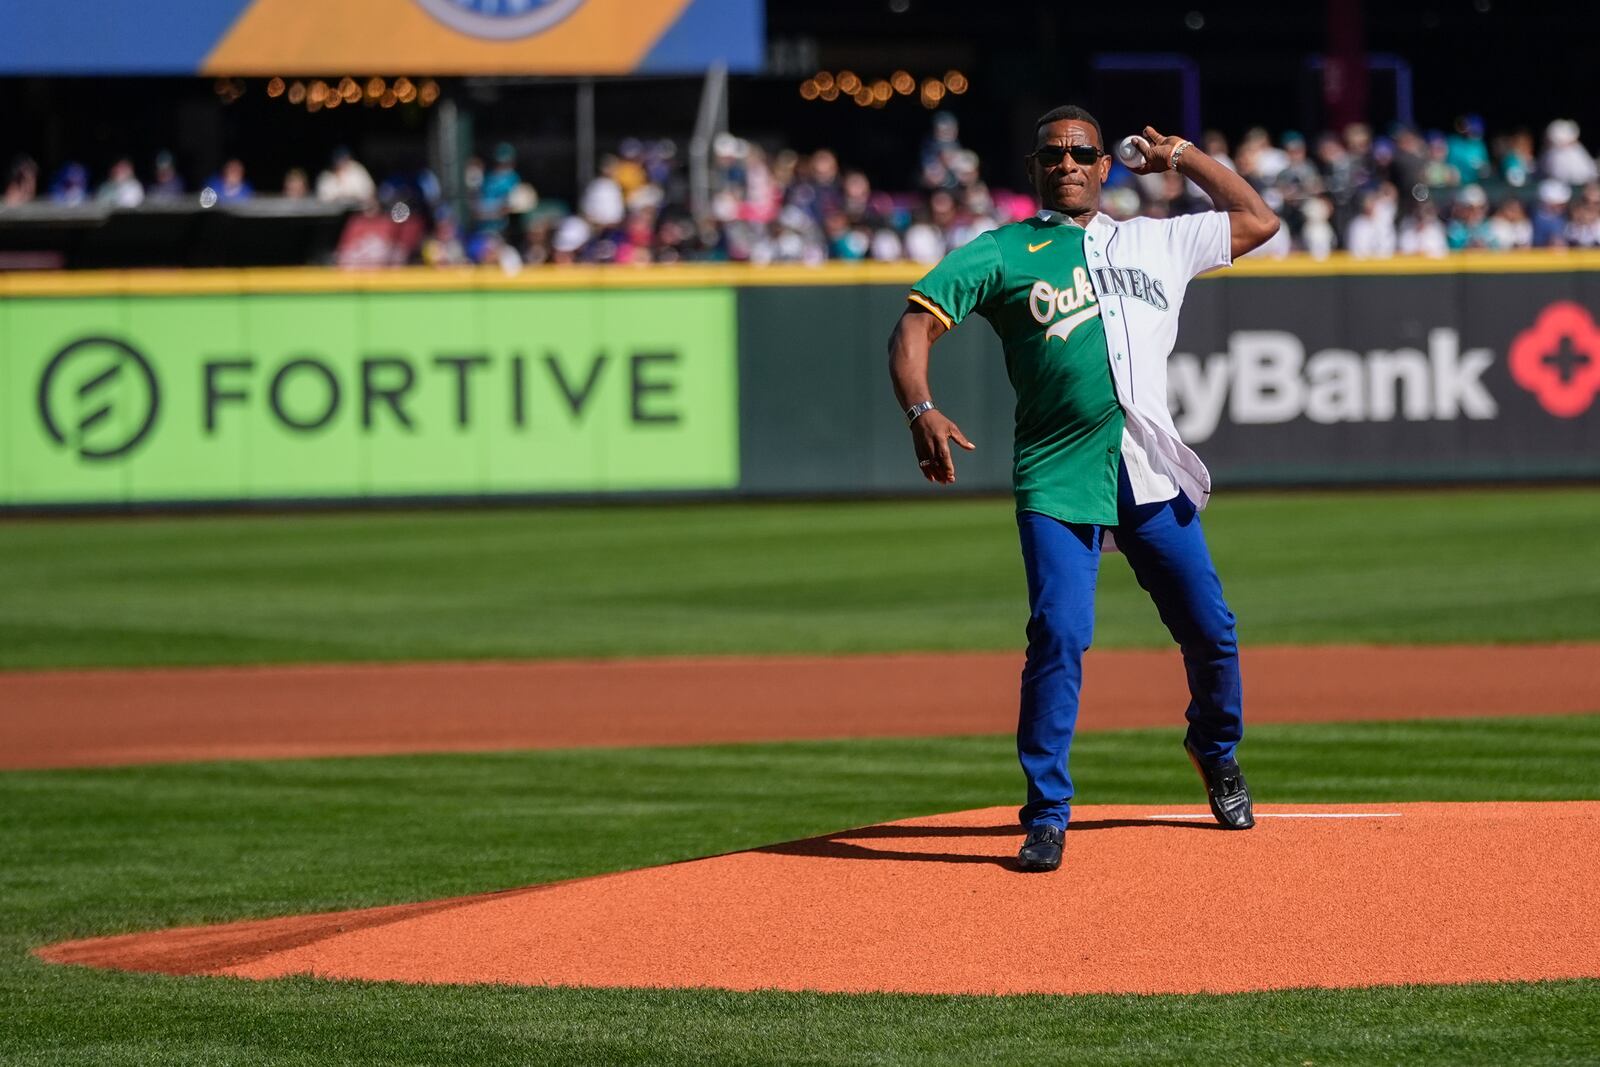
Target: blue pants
{"type": "Point", "coordinates": [1167, 550]}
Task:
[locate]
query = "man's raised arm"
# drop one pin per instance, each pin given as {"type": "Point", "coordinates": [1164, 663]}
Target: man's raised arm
{"type": "Point", "coordinates": [1251, 223]}
{"type": "Point", "coordinates": [931, 433]}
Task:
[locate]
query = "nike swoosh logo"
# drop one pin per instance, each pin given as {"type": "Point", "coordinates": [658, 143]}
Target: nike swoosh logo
{"type": "Point", "coordinates": [1041, 244]}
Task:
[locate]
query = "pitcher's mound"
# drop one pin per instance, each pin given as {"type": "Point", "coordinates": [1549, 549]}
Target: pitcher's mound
{"type": "Point", "coordinates": [1149, 900]}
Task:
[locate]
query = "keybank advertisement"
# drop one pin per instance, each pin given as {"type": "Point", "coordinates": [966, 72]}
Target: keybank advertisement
{"type": "Point", "coordinates": [232, 397]}
{"type": "Point", "coordinates": [1372, 377]}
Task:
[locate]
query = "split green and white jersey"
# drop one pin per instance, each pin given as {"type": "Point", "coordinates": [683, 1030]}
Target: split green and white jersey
{"type": "Point", "coordinates": [1031, 281]}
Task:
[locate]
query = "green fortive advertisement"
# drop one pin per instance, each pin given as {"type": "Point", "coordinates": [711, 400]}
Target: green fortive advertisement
{"type": "Point", "coordinates": [134, 398]}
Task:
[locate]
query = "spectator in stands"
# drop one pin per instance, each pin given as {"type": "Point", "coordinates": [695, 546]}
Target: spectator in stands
{"type": "Point", "coordinates": [1565, 158]}
{"type": "Point", "coordinates": [1510, 225]}
{"type": "Point", "coordinates": [1362, 151]}
{"type": "Point", "coordinates": [493, 208]}
{"type": "Point", "coordinates": [1438, 171]}
{"type": "Point", "coordinates": [637, 242]}
{"type": "Point", "coordinates": [537, 235]}
{"type": "Point", "coordinates": [1299, 177]}
{"type": "Point", "coordinates": [817, 193]}
{"type": "Point", "coordinates": [1422, 234]}
{"type": "Point", "coordinates": [923, 242]}
{"type": "Point", "coordinates": [565, 241]}
{"type": "Point", "coordinates": [443, 248]}
{"type": "Point", "coordinates": [857, 200]}
{"type": "Point", "coordinates": [1517, 158]}
{"type": "Point", "coordinates": [489, 249]}
{"type": "Point", "coordinates": [1381, 162]}
{"type": "Point", "coordinates": [845, 241]}
{"type": "Point", "coordinates": [369, 239]}
{"type": "Point", "coordinates": [472, 180]}
{"type": "Point", "coordinates": [1409, 169]}
{"type": "Point", "coordinates": [1216, 146]}
{"type": "Point", "coordinates": [296, 184]}
{"type": "Point", "coordinates": [345, 181]}
{"type": "Point", "coordinates": [22, 181]}
{"type": "Point", "coordinates": [887, 246]}
{"type": "Point", "coordinates": [1469, 220]}
{"type": "Point", "coordinates": [943, 141]}
{"type": "Point", "coordinates": [1267, 161]}
{"type": "Point", "coordinates": [1465, 150]}
{"type": "Point", "coordinates": [1550, 220]}
{"type": "Point", "coordinates": [1583, 224]}
{"type": "Point", "coordinates": [1335, 190]}
{"type": "Point", "coordinates": [1371, 234]}
{"type": "Point", "coordinates": [121, 187]}
{"type": "Point", "coordinates": [167, 184]}
{"type": "Point", "coordinates": [229, 183]}
{"type": "Point", "coordinates": [1317, 234]}
{"type": "Point", "coordinates": [71, 186]}
{"type": "Point", "coordinates": [603, 203]}
{"type": "Point", "coordinates": [629, 172]}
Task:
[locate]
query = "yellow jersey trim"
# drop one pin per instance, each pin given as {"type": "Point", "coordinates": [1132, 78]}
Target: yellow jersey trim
{"type": "Point", "coordinates": [935, 309]}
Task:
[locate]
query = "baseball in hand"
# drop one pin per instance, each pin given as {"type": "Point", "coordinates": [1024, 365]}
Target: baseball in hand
{"type": "Point", "coordinates": [1131, 150]}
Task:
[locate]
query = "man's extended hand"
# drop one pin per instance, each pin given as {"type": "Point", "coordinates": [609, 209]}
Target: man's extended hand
{"type": "Point", "coordinates": [1157, 153]}
{"type": "Point", "coordinates": [931, 435]}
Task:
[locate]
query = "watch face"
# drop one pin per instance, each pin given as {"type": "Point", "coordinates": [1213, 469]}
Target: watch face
{"type": "Point", "coordinates": [500, 20]}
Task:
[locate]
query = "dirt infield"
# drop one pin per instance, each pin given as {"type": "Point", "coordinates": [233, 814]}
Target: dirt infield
{"type": "Point", "coordinates": [1151, 900]}
{"type": "Point", "coordinates": [100, 717]}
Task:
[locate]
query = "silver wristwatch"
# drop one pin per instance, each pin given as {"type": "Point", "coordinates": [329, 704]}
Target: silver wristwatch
{"type": "Point", "coordinates": [916, 410]}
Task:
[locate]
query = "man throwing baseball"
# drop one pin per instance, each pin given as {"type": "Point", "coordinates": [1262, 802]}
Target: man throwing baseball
{"type": "Point", "coordinates": [1087, 311]}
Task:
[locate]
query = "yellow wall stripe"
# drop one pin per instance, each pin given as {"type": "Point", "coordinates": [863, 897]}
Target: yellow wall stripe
{"type": "Point", "coordinates": [678, 276]}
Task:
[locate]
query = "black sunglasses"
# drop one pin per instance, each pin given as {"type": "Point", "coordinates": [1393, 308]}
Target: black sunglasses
{"type": "Point", "coordinates": [1052, 154]}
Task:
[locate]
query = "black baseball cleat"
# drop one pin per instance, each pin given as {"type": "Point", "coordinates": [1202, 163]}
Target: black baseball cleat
{"type": "Point", "coordinates": [1226, 789]}
{"type": "Point", "coordinates": [1042, 850]}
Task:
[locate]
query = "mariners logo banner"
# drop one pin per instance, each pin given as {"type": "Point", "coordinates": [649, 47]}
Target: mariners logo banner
{"type": "Point", "coordinates": [270, 37]}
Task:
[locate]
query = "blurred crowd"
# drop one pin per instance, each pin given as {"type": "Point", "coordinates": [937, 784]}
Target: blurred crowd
{"type": "Point", "coordinates": [344, 180]}
{"type": "Point", "coordinates": [1405, 192]}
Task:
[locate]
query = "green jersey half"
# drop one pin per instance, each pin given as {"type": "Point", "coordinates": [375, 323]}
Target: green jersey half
{"type": "Point", "coordinates": [1031, 281]}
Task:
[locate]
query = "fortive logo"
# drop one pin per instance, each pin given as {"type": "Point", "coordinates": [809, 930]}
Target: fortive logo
{"type": "Point", "coordinates": [500, 20]}
{"type": "Point", "coordinates": [1557, 359]}
{"type": "Point", "coordinates": [99, 397]}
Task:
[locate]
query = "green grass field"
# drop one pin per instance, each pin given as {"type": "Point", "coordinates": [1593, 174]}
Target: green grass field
{"type": "Point", "coordinates": [1457, 566]}
{"type": "Point", "coordinates": [103, 851]}
{"type": "Point", "coordinates": [89, 852]}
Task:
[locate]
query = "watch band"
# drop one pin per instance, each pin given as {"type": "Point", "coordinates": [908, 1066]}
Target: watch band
{"type": "Point", "coordinates": [916, 410]}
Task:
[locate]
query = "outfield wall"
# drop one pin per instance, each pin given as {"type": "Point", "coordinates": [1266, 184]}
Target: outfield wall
{"type": "Point", "coordinates": [149, 388]}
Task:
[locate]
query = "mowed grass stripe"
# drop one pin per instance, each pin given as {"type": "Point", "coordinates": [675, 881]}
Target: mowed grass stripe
{"type": "Point", "coordinates": [88, 852]}
{"type": "Point", "coordinates": [1379, 567]}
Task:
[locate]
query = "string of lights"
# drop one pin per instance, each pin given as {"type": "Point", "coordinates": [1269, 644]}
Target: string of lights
{"type": "Point", "coordinates": [827, 87]}
{"type": "Point", "coordinates": [318, 94]}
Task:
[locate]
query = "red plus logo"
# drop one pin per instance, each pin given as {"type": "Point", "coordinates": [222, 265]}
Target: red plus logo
{"type": "Point", "coordinates": [1557, 359]}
